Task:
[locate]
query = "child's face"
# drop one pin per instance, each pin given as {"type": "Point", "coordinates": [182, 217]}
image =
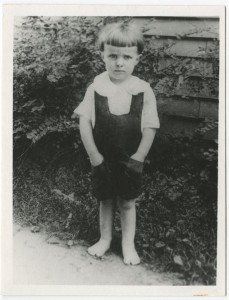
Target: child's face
{"type": "Point", "coordinates": [120, 61]}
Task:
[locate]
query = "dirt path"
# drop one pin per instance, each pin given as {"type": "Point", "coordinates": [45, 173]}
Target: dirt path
{"type": "Point", "coordinates": [38, 262]}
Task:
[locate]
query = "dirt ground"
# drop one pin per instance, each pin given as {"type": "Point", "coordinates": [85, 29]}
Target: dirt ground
{"type": "Point", "coordinates": [39, 259]}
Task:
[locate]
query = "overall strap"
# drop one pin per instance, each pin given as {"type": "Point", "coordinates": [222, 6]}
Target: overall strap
{"type": "Point", "coordinates": [136, 104]}
{"type": "Point", "coordinates": [102, 103]}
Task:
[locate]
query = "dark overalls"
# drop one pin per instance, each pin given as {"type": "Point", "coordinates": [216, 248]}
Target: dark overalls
{"type": "Point", "coordinates": [117, 139]}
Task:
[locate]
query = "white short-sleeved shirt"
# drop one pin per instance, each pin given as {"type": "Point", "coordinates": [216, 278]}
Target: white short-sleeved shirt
{"type": "Point", "coordinates": [119, 99]}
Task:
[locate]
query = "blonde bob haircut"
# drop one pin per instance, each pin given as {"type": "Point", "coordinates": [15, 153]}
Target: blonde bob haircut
{"type": "Point", "coordinates": [121, 35]}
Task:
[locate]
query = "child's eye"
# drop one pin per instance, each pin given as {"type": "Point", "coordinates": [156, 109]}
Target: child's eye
{"type": "Point", "coordinates": [113, 56]}
{"type": "Point", "coordinates": [127, 57]}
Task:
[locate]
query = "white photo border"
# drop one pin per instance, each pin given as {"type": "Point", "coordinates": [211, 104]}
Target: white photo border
{"type": "Point", "coordinates": [8, 287]}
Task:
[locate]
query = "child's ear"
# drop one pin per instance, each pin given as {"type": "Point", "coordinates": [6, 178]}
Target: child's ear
{"type": "Point", "coordinates": [138, 58]}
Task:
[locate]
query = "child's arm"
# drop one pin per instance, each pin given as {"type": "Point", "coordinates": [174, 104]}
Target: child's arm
{"type": "Point", "coordinates": [148, 135]}
{"type": "Point", "coordinates": [87, 138]}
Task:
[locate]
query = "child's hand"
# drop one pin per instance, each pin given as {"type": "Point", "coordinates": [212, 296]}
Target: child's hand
{"type": "Point", "coordinates": [96, 159]}
{"type": "Point", "coordinates": [138, 156]}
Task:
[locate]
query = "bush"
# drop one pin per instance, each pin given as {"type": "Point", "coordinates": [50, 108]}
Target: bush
{"type": "Point", "coordinates": [54, 60]}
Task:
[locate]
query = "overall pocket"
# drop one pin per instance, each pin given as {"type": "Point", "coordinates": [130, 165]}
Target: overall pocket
{"type": "Point", "coordinates": [132, 179]}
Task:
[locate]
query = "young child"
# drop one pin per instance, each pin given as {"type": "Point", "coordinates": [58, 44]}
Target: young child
{"type": "Point", "coordinates": [118, 121]}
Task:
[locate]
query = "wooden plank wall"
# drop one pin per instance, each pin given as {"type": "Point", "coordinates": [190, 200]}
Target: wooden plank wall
{"type": "Point", "coordinates": [193, 42]}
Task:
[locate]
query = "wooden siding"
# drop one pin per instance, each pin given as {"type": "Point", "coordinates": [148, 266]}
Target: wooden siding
{"type": "Point", "coordinates": [180, 27]}
{"type": "Point", "coordinates": [191, 40]}
{"type": "Point", "coordinates": [185, 47]}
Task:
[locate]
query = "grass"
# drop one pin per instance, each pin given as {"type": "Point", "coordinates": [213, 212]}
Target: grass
{"type": "Point", "coordinates": [176, 227]}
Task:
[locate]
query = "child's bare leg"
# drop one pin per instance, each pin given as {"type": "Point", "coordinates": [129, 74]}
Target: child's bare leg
{"type": "Point", "coordinates": [128, 223]}
{"type": "Point", "coordinates": [106, 223]}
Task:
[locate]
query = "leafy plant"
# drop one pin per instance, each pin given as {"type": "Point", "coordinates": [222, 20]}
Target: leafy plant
{"type": "Point", "coordinates": [54, 60]}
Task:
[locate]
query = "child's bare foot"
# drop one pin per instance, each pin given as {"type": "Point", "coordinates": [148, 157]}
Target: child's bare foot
{"type": "Point", "coordinates": [130, 256]}
{"type": "Point", "coordinates": [99, 248]}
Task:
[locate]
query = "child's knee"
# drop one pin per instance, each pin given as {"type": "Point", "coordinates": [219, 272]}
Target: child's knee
{"type": "Point", "coordinates": [126, 204]}
{"type": "Point", "coordinates": [107, 203]}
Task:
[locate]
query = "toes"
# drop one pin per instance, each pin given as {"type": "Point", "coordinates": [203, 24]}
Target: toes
{"type": "Point", "coordinates": [98, 249]}
{"type": "Point", "coordinates": [136, 261]}
{"type": "Point", "coordinates": [132, 260]}
{"type": "Point", "coordinates": [94, 252]}
{"type": "Point", "coordinates": [90, 251]}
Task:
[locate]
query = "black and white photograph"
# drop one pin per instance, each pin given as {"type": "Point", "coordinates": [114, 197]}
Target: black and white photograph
{"type": "Point", "coordinates": [118, 162]}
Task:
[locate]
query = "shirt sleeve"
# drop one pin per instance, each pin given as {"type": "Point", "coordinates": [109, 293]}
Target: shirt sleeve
{"type": "Point", "coordinates": [149, 113]}
{"type": "Point", "coordinates": [86, 107]}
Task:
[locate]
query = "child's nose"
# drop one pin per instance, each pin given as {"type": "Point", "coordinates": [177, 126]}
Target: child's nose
{"type": "Point", "coordinates": [119, 61]}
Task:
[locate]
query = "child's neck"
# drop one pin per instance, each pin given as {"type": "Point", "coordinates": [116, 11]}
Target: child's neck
{"type": "Point", "coordinates": [118, 82]}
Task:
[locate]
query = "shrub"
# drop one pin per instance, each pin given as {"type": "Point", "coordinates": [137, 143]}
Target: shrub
{"type": "Point", "coordinates": [54, 60]}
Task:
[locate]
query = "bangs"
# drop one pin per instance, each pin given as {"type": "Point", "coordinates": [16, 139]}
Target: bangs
{"type": "Point", "coordinates": [119, 39]}
{"type": "Point", "coordinates": [121, 35]}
